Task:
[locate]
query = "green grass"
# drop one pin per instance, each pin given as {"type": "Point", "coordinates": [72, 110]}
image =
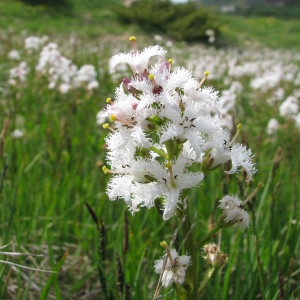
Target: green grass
{"type": "Point", "coordinates": [261, 31]}
{"type": "Point", "coordinates": [91, 19]}
{"type": "Point", "coordinates": [48, 176]}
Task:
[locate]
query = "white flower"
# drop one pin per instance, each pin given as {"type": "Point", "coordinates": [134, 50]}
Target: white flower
{"type": "Point", "coordinates": [226, 121]}
{"type": "Point", "coordinates": [101, 117]}
{"type": "Point", "coordinates": [138, 191]}
{"type": "Point", "coordinates": [211, 39]}
{"type": "Point", "coordinates": [93, 85]}
{"type": "Point", "coordinates": [272, 126]}
{"type": "Point", "coordinates": [14, 54]}
{"type": "Point", "coordinates": [297, 120]}
{"type": "Point", "coordinates": [191, 128]}
{"type": "Point", "coordinates": [19, 73]}
{"type": "Point", "coordinates": [57, 68]}
{"type": "Point", "coordinates": [34, 42]}
{"type": "Point", "coordinates": [223, 150]}
{"type": "Point", "coordinates": [64, 88]}
{"type": "Point", "coordinates": [289, 107]}
{"type": "Point", "coordinates": [158, 38]}
{"type": "Point", "coordinates": [138, 61]}
{"type": "Point", "coordinates": [234, 212]}
{"type": "Point", "coordinates": [209, 32]}
{"type": "Point", "coordinates": [175, 268]}
{"type": "Point", "coordinates": [170, 186]}
{"type": "Point", "coordinates": [86, 74]}
{"type": "Point", "coordinates": [17, 133]}
{"type": "Point", "coordinates": [165, 124]}
{"type": "Point", "coordinates": [241, 157]}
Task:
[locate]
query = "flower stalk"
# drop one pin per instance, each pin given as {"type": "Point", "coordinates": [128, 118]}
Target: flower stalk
{"type": "Point", "coordinates": [166, 135]}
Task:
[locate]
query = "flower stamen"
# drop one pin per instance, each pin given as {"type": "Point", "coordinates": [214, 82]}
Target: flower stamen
{"type": "Point", "coordinates": [132, 39]}
{"type": "Point", "coordinates": [206, 73]}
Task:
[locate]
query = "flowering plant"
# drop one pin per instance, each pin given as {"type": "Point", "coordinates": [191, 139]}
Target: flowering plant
{"type": "Point", "coordinates": [166, 135]}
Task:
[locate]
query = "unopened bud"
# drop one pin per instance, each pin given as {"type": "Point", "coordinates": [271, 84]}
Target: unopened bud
{"type": "Point", "coordinates": [214, 256]}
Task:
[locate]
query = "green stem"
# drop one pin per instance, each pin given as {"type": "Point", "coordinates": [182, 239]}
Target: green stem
{"type": "Point", "coordinates": [189, 288]}
{"type": "Point", "coordinates": [161, 152]}
{"type": "Point", "coordinates": [259, 268]}
{"type": "Point", "coordinates": [204, 283]}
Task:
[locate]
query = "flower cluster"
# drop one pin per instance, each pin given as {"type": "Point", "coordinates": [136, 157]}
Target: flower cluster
{"type": "Point", "coordinates": [60, 72]}
{"type": "Point", "coordinates": [264, 73]}
{"type": "Point", "coordinates": [166, 134]}
{"type": "Point", "coordinates": [172, 267]}
{"type": "Point", "coordinates": [63, 73]}
{"type": "Point", "coordinates": [18, 75]}
{"type": "Point", "coordinates": [33, 43]}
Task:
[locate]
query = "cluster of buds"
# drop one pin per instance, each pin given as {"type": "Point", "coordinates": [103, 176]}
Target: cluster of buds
{"type": "Point", "coordinates": [214, 256]}
{"type": "Point", "coordinates": [165, 133]}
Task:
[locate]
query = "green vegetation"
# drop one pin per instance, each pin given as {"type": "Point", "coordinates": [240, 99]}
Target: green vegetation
{"type": "Point", "coordinates": [86, 19]}
{"type": "Point", "coordinates": [183, 22]}
{"type": "Point", "coordinates": [261, 31]}
{"type": "Point", "coordinates": [48, 176]}
{"type": "Point", "coordinates": [281, 12]}
{"type": "Point", "coordinates": [96, 19]}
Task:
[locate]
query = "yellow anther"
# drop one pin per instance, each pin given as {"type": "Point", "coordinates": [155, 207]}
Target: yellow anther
{"type": "Point", "coordinates": [112, 117]}
{"type": "Point", "coordinates": [164, 244]}
{"type": "Point", "coordinates": [239, 126]}
{"type": "Point", "coordinates": [170, 61]}
{"type": "Point", "coordinates": [108, 100]}
{"type": "Point", "coordinates": [151, 76]}
{"type": "Point", "coordinates": [105, 125]}
{"type": "Point", "coordinates": [132, 39]}
{"type": "Point", "coordinates": [206, 73]}
{"type": "Point", "coordinates": [105, 170]}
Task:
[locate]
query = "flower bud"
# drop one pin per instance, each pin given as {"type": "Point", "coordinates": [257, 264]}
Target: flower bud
{"type": "Point", "coordinates": [214, 256]}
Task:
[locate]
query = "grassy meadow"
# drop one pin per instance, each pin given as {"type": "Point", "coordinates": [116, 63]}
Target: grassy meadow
{"type": "Point", "coordinates": [52, 188]}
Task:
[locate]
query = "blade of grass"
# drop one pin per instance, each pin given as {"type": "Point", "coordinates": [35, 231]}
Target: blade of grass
{"type": "Point", "coordinates": [53, 278]}
{"type": "Point", "coordinates": [260, 275]}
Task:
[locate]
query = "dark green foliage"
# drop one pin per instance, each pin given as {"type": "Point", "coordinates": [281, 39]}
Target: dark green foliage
{"type": "Point", "coordinates": [57, 6]}
{"type": "Point", "coordinates": [186, 22]}
{"type": "Point", "coordinates": [192, 27]}
{"type": "Point", "coordinates": [47, 2]}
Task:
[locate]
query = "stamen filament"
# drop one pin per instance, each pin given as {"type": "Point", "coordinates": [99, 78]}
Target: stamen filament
{"type": "Point", "coordinates": [108, 100]}
{"type": "Point", "coordinates": [106, 126]}
{"type": "Point", "coordinates": [170, 61]}
{"type": "Point", "coordinates": [108, 171]}
{"type": "Point", "coordinates": [239, 129]}
{"type": "Point", "coordinates": [171, 175]}
{"type": "Point", "coordinates": [206, 73]}
{"type": "Point", "coordinates": [132, 39]}
{"type": "Point", "coordinates": [168, 252]}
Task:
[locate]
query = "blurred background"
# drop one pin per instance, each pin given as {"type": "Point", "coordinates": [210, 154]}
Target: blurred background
{"type": "Point", "coordinates": [55, 78]}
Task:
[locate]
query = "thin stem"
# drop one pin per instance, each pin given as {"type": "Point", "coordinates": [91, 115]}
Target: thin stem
{"type": "Point", "coordinates": [191, 248]}
{"type": "Point", "coordinates": [161, 152]}
{"type": "Point", "coordinates": [204, 283]}
{"type": "Point", "coordinates": [259, 268]}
